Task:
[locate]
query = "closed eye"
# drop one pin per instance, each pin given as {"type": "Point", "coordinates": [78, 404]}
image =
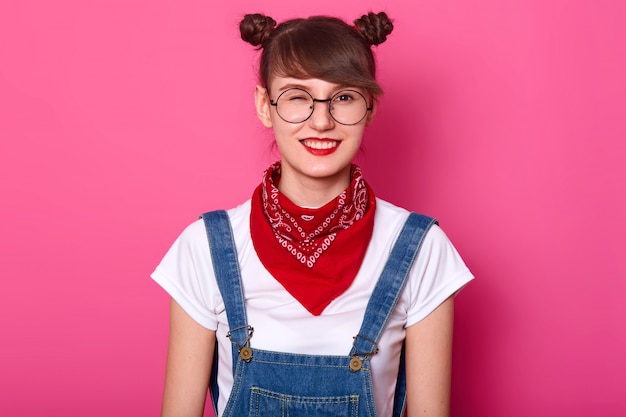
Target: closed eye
{"type": "Point", "coordinates": [297, 98]}
{"type": "Point", "coordinates": [295, 95]}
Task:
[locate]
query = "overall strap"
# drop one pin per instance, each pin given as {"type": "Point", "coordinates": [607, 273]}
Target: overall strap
{"type": "Point", "coordinates": [391, 282]}
{"type": "Point", "coordinates": [385, 297]}
{"type": "Point", "coordinates": [226, 267]}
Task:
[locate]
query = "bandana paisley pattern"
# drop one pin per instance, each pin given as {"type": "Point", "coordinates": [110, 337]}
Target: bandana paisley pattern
{"type": "Point", "coordinates": [307, 246]}
{"type": "Point", "coordinates": [314, 253]}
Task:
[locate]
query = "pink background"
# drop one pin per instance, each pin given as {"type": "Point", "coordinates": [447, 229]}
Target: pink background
{"type": "Point", "coordinates": [121, 121]}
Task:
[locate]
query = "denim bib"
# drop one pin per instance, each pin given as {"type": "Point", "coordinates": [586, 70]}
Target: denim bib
{"type": "Point", "coordinates": [268, 384]}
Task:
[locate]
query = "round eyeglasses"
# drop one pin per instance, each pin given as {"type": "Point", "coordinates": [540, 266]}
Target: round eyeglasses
{"type": "Point", "coordinates": [347, 107]}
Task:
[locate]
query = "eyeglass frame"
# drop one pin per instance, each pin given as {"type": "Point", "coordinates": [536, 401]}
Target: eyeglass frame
{"type": "Point", "coordinates": [317, 100]}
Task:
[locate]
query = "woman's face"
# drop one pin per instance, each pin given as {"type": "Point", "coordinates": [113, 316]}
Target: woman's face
{"type": "Point", "coordinates": [319, 148]}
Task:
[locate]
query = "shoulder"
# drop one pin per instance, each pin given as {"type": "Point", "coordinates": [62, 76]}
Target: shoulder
{"type": "Point", "coordinates": [389, 220]}
{"type": "Point", "coordinates": [186, 270]}
{"type": "Point", "coordinates": [190, 251]}
{"type": "Point", "coordinates": [196, 233]}
{"type": "Point", "coordinates": [240, 217]}
{"type": "Point", "coordinates": [387, 209]}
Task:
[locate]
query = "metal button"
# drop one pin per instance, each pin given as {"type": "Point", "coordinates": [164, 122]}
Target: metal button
{"type": "Point", "coordinates": [356, 364]}
{"type": "Point", "coordinates": [245, 353]}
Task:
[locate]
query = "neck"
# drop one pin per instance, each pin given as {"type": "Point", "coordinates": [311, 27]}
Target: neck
{"type": "Point", "coordinates": [306, 191]}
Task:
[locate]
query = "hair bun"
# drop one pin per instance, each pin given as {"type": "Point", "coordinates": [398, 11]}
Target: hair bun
{"type": "Point", "coordinates": [374, 27]}
{"type": "Point", "coordinates": [256, 28]}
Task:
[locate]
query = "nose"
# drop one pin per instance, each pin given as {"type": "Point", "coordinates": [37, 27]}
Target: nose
{"type": "Point", "coordinates": [321, 118]}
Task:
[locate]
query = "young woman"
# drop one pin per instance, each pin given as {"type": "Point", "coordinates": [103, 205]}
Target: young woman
{"type": "Point", "coordinates": [311, 299]}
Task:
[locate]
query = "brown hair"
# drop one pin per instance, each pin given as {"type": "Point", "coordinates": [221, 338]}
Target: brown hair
{"type": "Point", "coordinates": [318, 47]}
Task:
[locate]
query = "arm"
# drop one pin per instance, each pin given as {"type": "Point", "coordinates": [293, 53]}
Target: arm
{"type": "Point", "coordinates": [189, 361]}
{"type": "Point", "coordinates": [428, 363]}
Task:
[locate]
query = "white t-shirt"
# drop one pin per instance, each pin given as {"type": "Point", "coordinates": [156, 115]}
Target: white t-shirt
{"type": "Point", "coordinates": [282, 324]}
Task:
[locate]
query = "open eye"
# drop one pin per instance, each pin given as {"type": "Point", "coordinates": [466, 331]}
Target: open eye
{"type": "Point", "coordinates": [345, 97]}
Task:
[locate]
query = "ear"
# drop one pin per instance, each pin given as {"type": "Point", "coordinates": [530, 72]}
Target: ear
{"type": "Point", "coordinates": [371, 114]}
{"type": "Point", "coordinates": [262, 103]}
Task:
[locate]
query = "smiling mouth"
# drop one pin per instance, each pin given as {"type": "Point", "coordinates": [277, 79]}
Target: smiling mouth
{"type": "Point", "coordinates": [320, 144]}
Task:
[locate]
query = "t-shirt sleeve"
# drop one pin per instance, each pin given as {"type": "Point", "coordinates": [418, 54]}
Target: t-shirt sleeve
{"type": "Point", "coordinates": [186, 274]}
{"type": "Point", "coordinates": [438, 273]}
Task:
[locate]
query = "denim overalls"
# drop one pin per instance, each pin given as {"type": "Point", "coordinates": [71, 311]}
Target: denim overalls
{"type": "Point", "coordinates": [268, 384]}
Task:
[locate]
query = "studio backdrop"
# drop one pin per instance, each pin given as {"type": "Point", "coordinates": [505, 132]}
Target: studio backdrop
{"type": "Point", "coordinates": [122, 121]}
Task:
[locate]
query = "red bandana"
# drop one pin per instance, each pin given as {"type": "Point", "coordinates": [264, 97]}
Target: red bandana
{"type": "Point", "coordinates": [314, 253]}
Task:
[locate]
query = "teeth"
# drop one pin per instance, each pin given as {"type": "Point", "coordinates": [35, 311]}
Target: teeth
{"type": "Point", "coordinates": [320, 144]}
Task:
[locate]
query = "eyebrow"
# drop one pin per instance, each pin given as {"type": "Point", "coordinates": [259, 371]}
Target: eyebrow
{"type": "Point", "coordinates": [293, 85]}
